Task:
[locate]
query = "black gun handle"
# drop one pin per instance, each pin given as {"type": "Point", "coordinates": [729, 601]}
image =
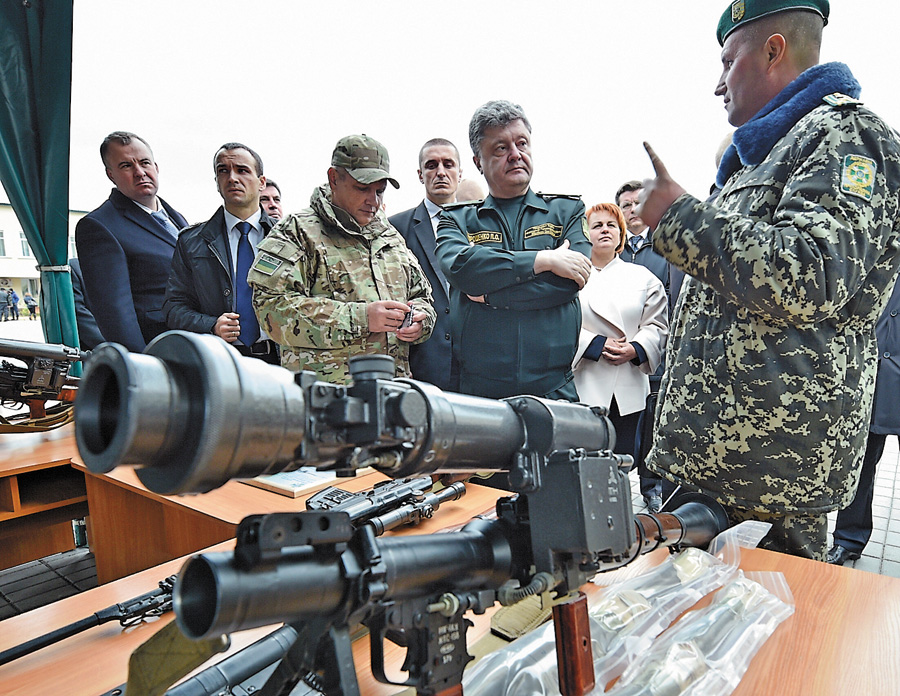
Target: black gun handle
{"type": "Point", "coordinates": [43, 641]}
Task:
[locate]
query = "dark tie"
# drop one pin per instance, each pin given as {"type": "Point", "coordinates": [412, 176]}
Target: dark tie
{"type": "Point", "coordinates": [243, 302]}
{"type": "Point", "coordinates": [163, 220]}
{"type": "Point", "coordinates": [636, 242]}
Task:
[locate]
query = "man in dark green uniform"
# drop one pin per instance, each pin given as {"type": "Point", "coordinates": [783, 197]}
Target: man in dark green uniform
{"type": "Point", "coordinates": [515, 263]}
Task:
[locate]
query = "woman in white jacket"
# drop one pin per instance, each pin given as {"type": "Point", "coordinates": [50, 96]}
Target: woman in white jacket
{"type": "Point", "coordinates": [624, 326]}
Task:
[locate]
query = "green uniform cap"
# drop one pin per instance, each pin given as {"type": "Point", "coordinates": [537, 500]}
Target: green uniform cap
{"type": "Point", "coordinates": [364, 158]}
{"type": "Point", "coordinates": [740, 12]}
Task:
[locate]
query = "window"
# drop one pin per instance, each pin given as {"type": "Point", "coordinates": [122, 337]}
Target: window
{"type": "Point", "coordinates": [72, 252]}
{"type": "Point", "coordinates": [2, 244]}
{"type": "Point", "coordinates": [26, 250]}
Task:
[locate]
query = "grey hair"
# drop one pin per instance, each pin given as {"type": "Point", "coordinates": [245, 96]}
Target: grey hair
{"type": "Point", "coordinates": [494, 114]}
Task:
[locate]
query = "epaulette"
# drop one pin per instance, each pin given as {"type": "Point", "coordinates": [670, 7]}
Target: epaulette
{"type": "Point", "coordinates": [461, 204]}
{"type": "Point", "coordinates": [551, 196]}
{"type": "Point", "coordinates": [838, 100]}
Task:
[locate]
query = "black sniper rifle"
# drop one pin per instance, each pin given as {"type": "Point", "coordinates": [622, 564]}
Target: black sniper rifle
{"type": "Point", "coordinates": [388, 504]}
{"type": "Point", "coordinates": [571, 518]}
{"type": "Point", "coordinates": [154, 603]}
{"type": "Point", "coordinates": [43, 377]}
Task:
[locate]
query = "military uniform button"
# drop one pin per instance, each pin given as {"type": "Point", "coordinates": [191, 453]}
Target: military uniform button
{"type": "Point", "coordinates": [446, 310]}
{"type": "Point", "coordinates": [447, 336]}
{"type": "Point", "coordinates": [886, 354]}
{"type": "Point", "coordinates": [227, 292]}
{"type": "Point", "coordinates": [894, 313]}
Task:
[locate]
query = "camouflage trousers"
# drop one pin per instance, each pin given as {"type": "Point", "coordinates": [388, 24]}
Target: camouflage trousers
{"type": "Point", "coordinates": [798, 535]}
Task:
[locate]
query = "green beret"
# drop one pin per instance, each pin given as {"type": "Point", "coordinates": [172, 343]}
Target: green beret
{"type": "Point", "coordinates": [740, 12]}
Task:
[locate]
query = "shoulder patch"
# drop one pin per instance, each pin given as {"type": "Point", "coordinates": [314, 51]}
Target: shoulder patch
{"type": "Point", "coordinates": [837, 99]}
{"type": "Point", "coordinates": [461, 204]}
{"type": "Point", "coordinates": [858, 176]}
{"type": "Point", "coordinates": [267, 264]}
{"type": "Point", "coordinates": [551, 196]}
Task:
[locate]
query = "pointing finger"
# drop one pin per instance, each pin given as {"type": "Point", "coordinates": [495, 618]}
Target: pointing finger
{"type": "Point", "coordinates": [657, 163]}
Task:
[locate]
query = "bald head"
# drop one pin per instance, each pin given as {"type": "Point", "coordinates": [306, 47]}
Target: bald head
{"type": "Point", "coordinates": [802, 32]}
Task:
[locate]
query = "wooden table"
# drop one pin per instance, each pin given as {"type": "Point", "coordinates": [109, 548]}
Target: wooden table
{"type": "Point", "coordinates": [40, 495]}
{"type": "Point", "coordinates": [843, 640]}
{"type": "Point", "coordinates": [95, 661]}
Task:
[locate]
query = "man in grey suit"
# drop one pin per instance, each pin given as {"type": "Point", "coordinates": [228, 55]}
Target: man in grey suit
{"type": "Point", "coordinates": [125, 246]}
{"type": "Point", "coordinates": [432, 361]}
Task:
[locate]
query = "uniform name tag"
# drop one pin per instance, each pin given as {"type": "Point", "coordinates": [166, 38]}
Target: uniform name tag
{"type": "Point", "coordinates": [484, 236]}
{"type": "Point", "coordinates": [858, 176]}
{"type": "Point", "coordinates": [548, 228]}
{"type": "Point", "coordinates": [266, 264]}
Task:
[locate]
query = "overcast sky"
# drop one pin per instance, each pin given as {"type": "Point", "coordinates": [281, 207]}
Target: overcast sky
{"type": "Point", "coordinates": [289, 78]}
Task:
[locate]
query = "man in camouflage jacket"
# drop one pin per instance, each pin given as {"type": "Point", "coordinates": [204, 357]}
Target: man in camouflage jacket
{"type": "Point", "coordinates": [336, 280]}
{"type": "Point", "coordinates": [771, 365]}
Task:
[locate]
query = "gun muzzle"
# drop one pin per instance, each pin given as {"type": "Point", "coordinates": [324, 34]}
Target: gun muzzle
{"type": "Point", "coordinates": [189, 410]}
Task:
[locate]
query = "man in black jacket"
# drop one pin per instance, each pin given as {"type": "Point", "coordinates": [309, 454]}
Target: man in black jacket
{"type": "Point", "coordinates": [207, 290]}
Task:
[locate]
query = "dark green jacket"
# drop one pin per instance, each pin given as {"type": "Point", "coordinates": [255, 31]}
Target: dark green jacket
{"type": "Point", "coordinates": [523, 339]}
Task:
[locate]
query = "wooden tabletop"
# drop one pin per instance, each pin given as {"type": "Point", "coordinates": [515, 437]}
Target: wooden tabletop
{"type": "Point", "coordinates": [843, 640]}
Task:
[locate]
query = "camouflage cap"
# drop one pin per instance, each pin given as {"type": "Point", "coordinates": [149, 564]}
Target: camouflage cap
{"type": "Point", "coordinates": [364, 158]}
{"type": "Point", "coordinates": [740, 12]}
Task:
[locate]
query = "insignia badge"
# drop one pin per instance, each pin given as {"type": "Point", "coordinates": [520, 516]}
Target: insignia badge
{"type": "Point", "coordinates": [838, 99]}
{"type": "Point", "coordinates": [484, 236]}
{"type": "Point", "coordinates": [737, 11]}
{"type": "Point", "coordinates": [858, 176]}
{"type": "Point", "coordinates": [547, 228]}
{"type": "Point", "coordinates": [267, 264]}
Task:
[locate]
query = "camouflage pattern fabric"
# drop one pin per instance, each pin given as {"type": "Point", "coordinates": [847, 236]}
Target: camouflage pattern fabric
{"type": "Point", "coordinates": [312, 278]}
{"type": "Point", "coordinates": [800, 535]}
{"type": "Point", "coordinates": [771, 359]}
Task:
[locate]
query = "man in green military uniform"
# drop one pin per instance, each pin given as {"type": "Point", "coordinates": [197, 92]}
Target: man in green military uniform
{"type": "Point", "coordinates": [515, 263]}
{"type": "Point", "coordinates": [771, 366]}
{"type": "Point", "coordinates": [336, 280]}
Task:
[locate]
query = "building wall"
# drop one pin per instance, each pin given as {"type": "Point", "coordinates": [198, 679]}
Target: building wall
{"type": "Point", "coordinates": [18, 267]}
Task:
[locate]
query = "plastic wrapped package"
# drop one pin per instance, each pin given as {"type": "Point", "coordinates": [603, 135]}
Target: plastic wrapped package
{"type": "Point", "coordinates": [708, 651]}
{"type": "Point", "coordinates": [624, 619]}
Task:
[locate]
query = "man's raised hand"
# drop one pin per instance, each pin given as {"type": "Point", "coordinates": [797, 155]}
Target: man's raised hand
{"type": "Point", "coordinates": [659, 193]}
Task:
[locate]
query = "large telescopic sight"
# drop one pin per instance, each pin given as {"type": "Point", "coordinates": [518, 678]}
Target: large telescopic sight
{"type": "Point", "coordinates": [193, 413]}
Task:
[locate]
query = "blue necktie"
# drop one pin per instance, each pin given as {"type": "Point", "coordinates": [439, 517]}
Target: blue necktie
{"type": "Point", "coordinates": [243, 302]}
{"type": "Point", "coordinates": [164, 220]}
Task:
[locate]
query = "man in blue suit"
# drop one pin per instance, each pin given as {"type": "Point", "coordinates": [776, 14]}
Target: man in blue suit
{"type": "Point", "coordinates": [125, 246]}
{"type": "Point", "coordinates": [432, 361]}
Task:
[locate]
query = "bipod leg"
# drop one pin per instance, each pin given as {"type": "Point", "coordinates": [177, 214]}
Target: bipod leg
{"type": "Point", "coordinates": [573, 646]}
{"type": "Point", "coordinates": [321, 657]}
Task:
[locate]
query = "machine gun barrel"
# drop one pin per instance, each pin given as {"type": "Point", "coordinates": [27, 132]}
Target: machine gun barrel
{"type": "Point", "coordinates": [152, 603]}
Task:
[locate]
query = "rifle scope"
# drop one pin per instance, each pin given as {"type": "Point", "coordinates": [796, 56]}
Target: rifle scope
{"type": "Point", "coordinates": [194, 413]}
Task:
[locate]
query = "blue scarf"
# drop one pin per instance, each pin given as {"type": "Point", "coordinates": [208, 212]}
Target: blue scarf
{"type": "Point", "coordinates": [753, 141]}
